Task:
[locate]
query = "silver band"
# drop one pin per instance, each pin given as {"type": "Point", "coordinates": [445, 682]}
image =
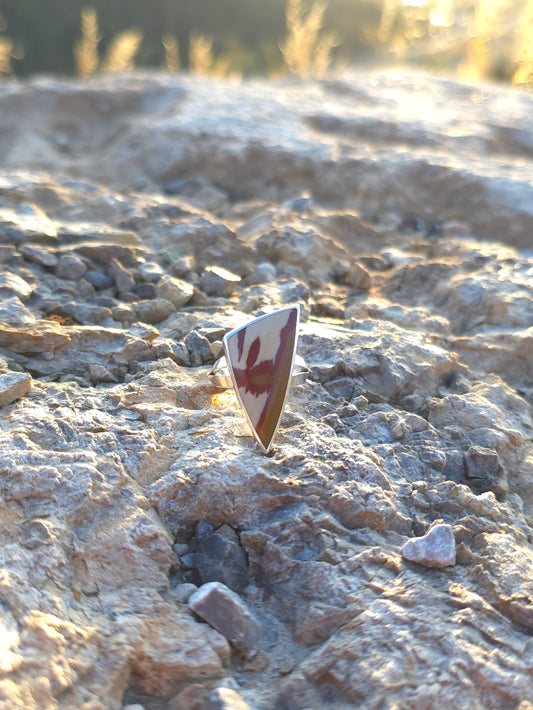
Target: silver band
{"type": "Point", "coordinates": [220, 377]}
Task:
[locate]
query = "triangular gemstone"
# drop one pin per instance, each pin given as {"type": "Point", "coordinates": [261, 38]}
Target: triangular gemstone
{"type": "Point", "coordinates": [260, 357]}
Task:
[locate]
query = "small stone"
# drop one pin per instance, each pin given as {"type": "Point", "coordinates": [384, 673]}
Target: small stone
{"type": "Point", "coordinates": [13, 385]}
{"type": "Point", "coordinates": [264, 273]}
{"type": "Point", "coordinates": [175, 290]}
{"type": "Point", "coordinates": [227, 613]}
{"type": "Point", "coordinates": [199, 348]}
{"type": "Point", "coordinates": [434, 549]}
{"type": "Point", "coordinates": [144, 291]}
{"type": "Point", "coordinates": [483, 471]}
{"type": "Point", "coordinates": [183, 267]}
{"type": "Point", "coordinates": [87, 314]}
{"type": "Point", "coordinates": [153, 311]}
{"type": "Point", "coordinates": [358, 277]}
{"type": "Point", "coordinates": [99, 279]}
{"type": "Point", "coordinates": [39, 255]}
{"type": "Point", "coordinates": [13, 285]}
{"type": "Point", "coordinates": [70, 267]}
{"type": "Point", "coordinates": [226, 699]}
{"type": "Point", "coordinates": [100, 373]}
{"type": "Point", "coordinates": [216, 281]}
{"type": "Point", "coordinates": [150, 272]}
{"type": "Point", "coordinates": [124, 314]}
{"type": "Point", "coordinates": [134, 706]}
{"type": "Point", "coordinates": [180, 354]}
{"type": "Point", "coordinates": [124, 280]}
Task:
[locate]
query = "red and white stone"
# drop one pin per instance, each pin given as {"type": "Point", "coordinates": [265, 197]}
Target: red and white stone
{"type": "Point", "coordinates": [260, 357]}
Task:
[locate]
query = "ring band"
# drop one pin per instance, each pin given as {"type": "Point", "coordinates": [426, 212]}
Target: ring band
{"type": "Point", "coordinates": [220, 375]}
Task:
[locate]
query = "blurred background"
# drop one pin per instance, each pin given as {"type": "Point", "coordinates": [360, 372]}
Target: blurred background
{"type": "Point", "coordinates": [476, 39]}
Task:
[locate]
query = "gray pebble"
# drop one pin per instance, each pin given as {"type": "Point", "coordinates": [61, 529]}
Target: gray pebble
{"type": "Point", "coordinates": [124, 280]}
{"type": "Point", "coordinates": [99, 279]}
{"type": "Point", "coordinates": [150, 272]}
{"type": "Point", "coordinates": [39, 255]}
{"type": "Point", "coordinates": [70, 267]}
{"type": "Point", "coordinates": [216, 281]}
{"type": "Point", "coordinates": [199, 348]}
{"type": "Point", "coordinates": [87, 314]}
{"type": "Point", "coordinates": [153, 311]}
{"type": "Point", "coordinates": [178, 292]}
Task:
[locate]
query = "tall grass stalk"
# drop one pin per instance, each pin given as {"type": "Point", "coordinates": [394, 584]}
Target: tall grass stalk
{"type": "Point", "coordinates": [307, 49]}
{"type": "Point", "coordinates": [86, 49]}
{"type": "Point", "coordinates": [172, 53]}
{"type": "Point", "coordinates": [121, 53]}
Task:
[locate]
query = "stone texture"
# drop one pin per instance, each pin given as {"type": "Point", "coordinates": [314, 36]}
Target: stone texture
{"type": "Point", "coordinates": [434, 549]}
{"type": "Point", "coordinates": [226, 699]}
{"type": "Point", "coordinates": [127, 480]}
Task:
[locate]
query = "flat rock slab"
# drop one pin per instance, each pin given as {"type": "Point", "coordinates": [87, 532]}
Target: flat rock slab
{"type": "Point", "coordinates": [228, 614]}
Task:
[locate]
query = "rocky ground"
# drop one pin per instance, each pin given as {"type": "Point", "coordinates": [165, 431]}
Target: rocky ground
{"type": "Point", "coordinates": [152, 557]}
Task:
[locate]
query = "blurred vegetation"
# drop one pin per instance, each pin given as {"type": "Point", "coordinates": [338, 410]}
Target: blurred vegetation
{"type": "Point", "coordinates": [482, 39]}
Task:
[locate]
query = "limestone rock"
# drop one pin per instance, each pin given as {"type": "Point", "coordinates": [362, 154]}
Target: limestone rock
{"type": "Point", "coordinates": [177, 291]}
{"type": "Point", "coordinates": [434, 549]}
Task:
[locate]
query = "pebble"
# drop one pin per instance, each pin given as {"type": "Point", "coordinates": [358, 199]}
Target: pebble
{"type": "Point", "coordinates": [87, 314]}
{"type": "Point", "coordinates": [227, 613]}
{"type": "Point", "coordinates": [216, 281]}
{"type": "Point", "coordinates": [70, 267]}
{"type": "Point", "coordinates": [153, 311]}
{"type": "Point", "coordinates": [199, 348]}
{"type": "Point", "coordinates": [123, 278]}
{"type": "Point", "coordinates": [358, 277]}
{"type": "Point", "coordinates": [263, 273]}
{"type": "Point", "coordinates": [226, 699]}
{"type": "Point", "coordinates": [177, 291]}
{"type": "Point", "coordinates": [183, 267]}
{"type": "Point", "coordinates": [99, 279]}
{"type": "Point", "coordinates": [13, 285]}
{"type": "Point", "coordinates": [150, 271]}
{"type": "Point", "coordinates": [13, 385]}
{"type": "Point", "coordinates": [144, 291]}
{"type": "Point", "coordinates": [434, 549]}
{"type": "Point", "coordinates": [39, 255]}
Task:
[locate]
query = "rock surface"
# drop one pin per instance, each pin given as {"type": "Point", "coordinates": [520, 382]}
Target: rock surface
{"type": "Point", "coordinates": [397, 211]}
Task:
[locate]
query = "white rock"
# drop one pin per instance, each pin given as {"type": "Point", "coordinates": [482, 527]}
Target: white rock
{"type": "Point", "coordinates": [434, 549]}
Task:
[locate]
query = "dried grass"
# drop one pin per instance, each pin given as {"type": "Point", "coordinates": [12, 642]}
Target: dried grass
{"type": "Point", "coordinates": [202, 61]}
{"type": "Point", "coordinates": [120, 55]}
{"type": "Point", "coordinates": [6, 52]}
{"type": "Point", "coordinates": [523, 74]}
{"type": "Point", "coordinates": [172, 53]}
{"type": "Point", "coordinates": [122, 50]}
{"type": "Point", "coordinates": [86, 49]}
{"type": "Point", "coordinates": [307, 49]}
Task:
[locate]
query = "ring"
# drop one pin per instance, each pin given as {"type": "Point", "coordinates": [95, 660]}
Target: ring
{"type": "Point", "coordinates": [260, 363]}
